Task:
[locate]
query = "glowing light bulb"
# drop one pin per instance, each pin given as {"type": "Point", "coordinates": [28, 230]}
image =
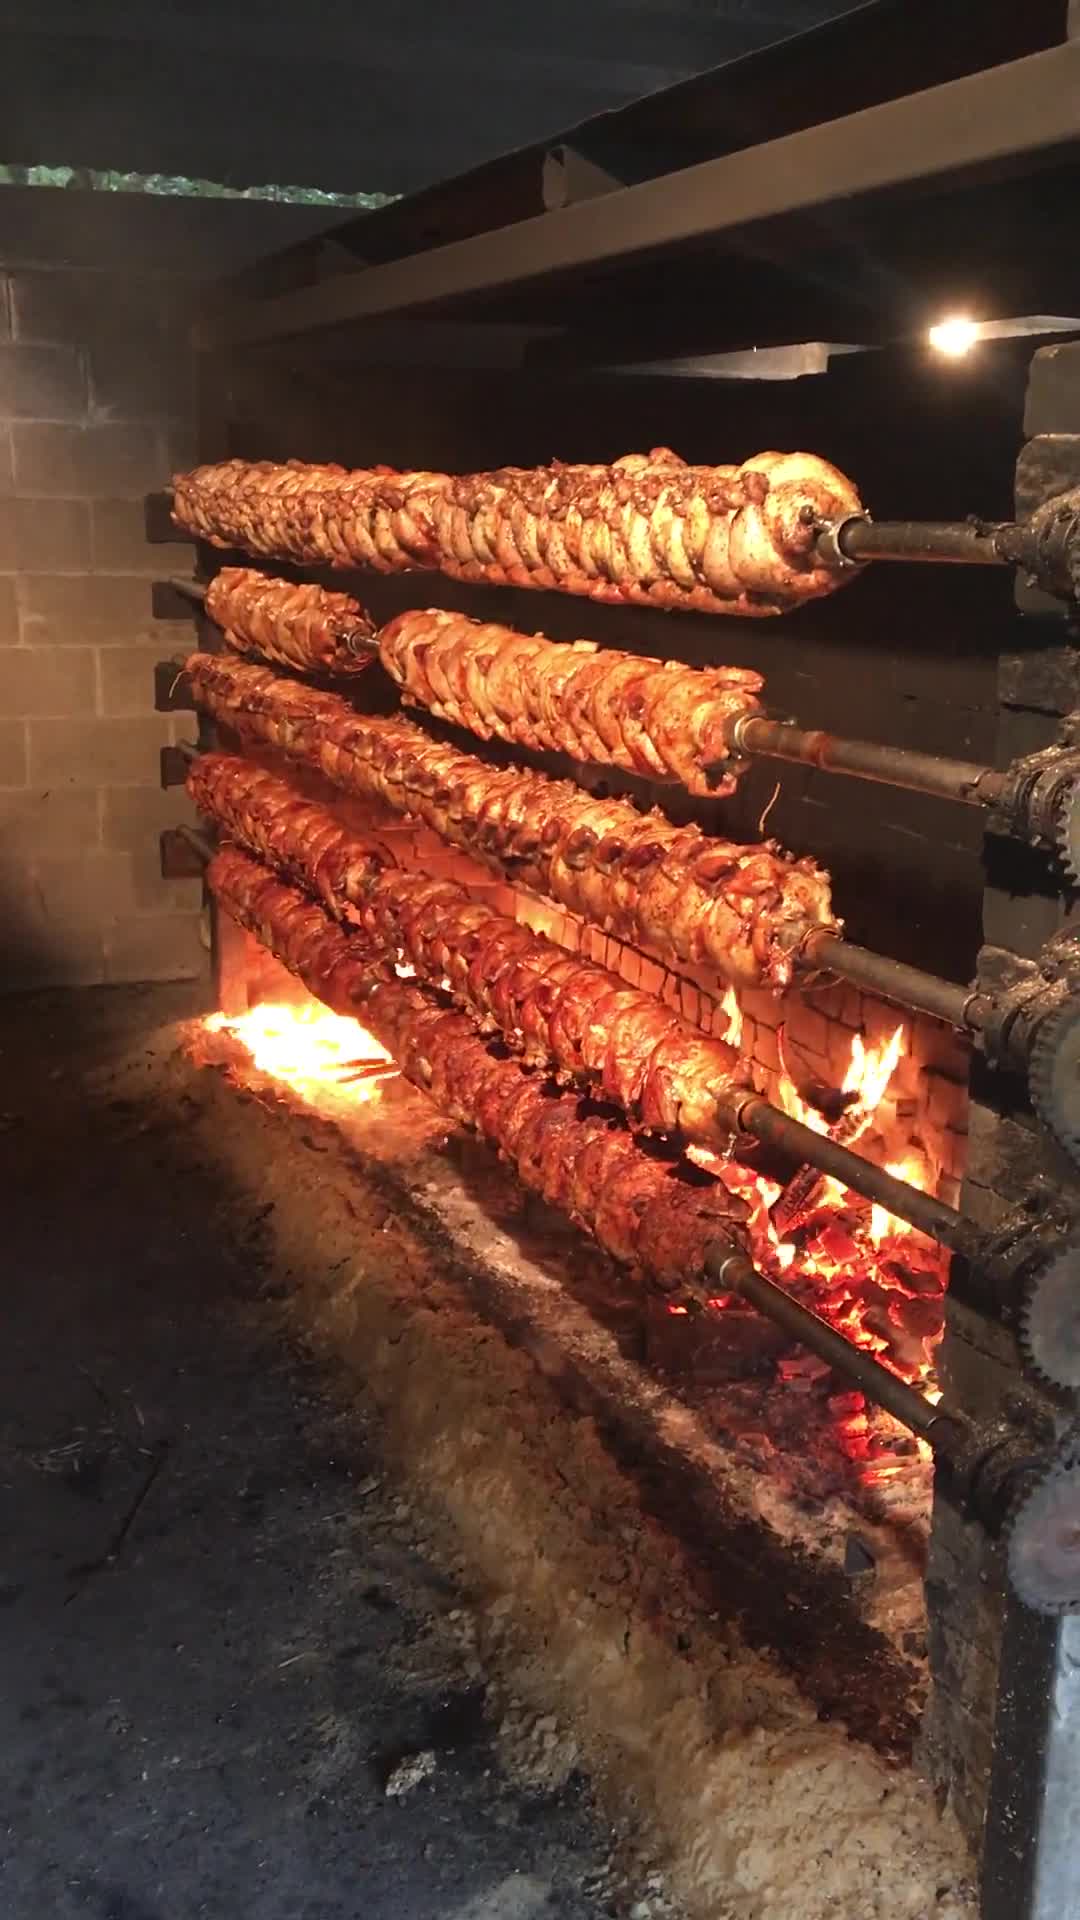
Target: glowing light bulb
{"type": "Point", "coordinates": [954, 336]}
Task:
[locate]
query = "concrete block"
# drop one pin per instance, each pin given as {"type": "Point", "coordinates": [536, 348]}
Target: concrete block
{"type": "Point", "coordinates": [35, 952]}
{"type": "Point", "coordinates": [9, 614]}
{"type": "Point", "coordinates": [48, 681]}
{"type": "Point", "coordinates": [13, 757]}
{"type": "Point", "coordinates": [156, 946]}
{"type": "Point", "coordinates": [42, 383]}
{"type": "Point", "coordinates": [49, 536]}
{"type": "Point", "coordinates": [65, 305]}
{"type": "Point", "coordinates": [127, 679]}
{"type": "Point", "coordinates": [88, 889]}
{"type": "Point", "coordinates": [120, 544]}
{"type": "Point", "coordinates": [155, 382]}
{"type": "Point", "coordinates": [99, 462]}
{"type": "Point", "coordinates": [99, 609]}
{"type": "Point", "coordinates": [133, 817]}
{"type": "Point", "coordinates": [48, 820]}
{"type": "Point", "coordinates": [91, 753]}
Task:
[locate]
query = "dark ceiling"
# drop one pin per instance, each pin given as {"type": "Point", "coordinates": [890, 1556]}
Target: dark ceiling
{"type": "Point", "coordinates": [357, 98]}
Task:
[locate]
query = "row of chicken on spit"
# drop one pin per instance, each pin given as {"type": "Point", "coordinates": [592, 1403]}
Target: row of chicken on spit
{"type": "Point", "coordinates": [656, 718]}
{"type": "Point", "coordinates": [350, 924]}
{"type": "Point", "coordinates": [649, 528]}
{"type": "Point", "coordinates": [647, 1211]}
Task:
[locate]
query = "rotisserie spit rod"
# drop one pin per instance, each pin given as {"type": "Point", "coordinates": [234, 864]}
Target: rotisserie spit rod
{"type": "Point", "coordinates": [671, 891]}
{"type": "Point", "coordinates": [647, 529]}
{"type": "Point", "coordinates": [1046, 547]}
{"type": "Point", "coordinates": [559, 1010]}
{"type": "Point", "coordinates": [644, 1211]}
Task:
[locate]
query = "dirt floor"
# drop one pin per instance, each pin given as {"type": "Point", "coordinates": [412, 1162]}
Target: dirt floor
{"type": "Point", "coordinates": [342, 1570]}
{"type": "Point", "coordinates": [236, 1676]}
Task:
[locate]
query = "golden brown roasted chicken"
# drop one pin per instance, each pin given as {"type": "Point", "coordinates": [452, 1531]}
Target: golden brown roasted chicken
{"type": "Point", "coordinates": [656, 718]}
{"type": "Point", "coordinates": [741, 911]}
{"type": "Point", "coordinates": [298, 625]}
{"type": "Point", "coordinates": [561, 1012]}
{"type": "Point", "coordinates": [646, 529]}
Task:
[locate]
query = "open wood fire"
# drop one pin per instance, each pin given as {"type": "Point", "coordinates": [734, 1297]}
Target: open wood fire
{"type": "Point", "coordinates": [867, 1273]}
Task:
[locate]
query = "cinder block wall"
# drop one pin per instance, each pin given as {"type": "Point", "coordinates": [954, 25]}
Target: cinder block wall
{"type": "Point", "coordinates": [96, 407]}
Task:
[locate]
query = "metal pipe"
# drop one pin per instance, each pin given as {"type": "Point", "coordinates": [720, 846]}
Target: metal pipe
{"type": "Point", "coordinates": [960, 1006]}
{"type": "Point", "coordinates": [195, 589]}
{"type": "Point", "coordinates": [732, 1272]}
{"type": "Point", "coordinates": [967, 543]}
{"type": "Point", "coordinates": [754, 1115]}
{"type": "Point", "coordinates": [977, 786]}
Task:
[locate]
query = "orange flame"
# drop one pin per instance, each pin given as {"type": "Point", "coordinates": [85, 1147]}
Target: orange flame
{"type": "Point", "coordinates": [309, 1048]}
{"type": "Point", "coordinates": [733, 1032]}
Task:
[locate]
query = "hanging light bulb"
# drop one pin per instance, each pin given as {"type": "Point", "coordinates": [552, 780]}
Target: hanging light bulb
{"type": "Point", "coordinates": [954, 336]}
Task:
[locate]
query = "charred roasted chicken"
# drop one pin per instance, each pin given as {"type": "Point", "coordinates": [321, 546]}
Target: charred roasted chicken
{"type": "Point", "coordinates": [647, 529]}
{"type": "Point", "coordinates": [559, 1011]}
{"type": "Point", "coordinates": [649, 1214]}
{"type": "Point", "coordinates": [743, 912]}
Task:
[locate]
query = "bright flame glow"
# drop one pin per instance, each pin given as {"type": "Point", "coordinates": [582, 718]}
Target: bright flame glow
{"type": "Point", "coordinates": [733, 1032]}
{"type": "Point", "coordinates": [882, 1222]}
{"type": "Point", "coordinates": [954, 336]}
{"type": "Point", "coordinates": [310, 1049]}
{"type": "Point", "coordinates": [870, 1069]}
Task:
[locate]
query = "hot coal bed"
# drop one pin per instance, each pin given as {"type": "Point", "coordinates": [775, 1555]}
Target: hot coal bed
{"type": "Point", "coordinates": [911, 1557]}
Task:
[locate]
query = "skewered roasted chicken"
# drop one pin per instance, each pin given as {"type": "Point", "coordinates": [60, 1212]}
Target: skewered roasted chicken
{"type": "Point", "coordinates": [560, 1011]}
{"type": "Point", "coordinates": [647, 529]}
{"type": "Point", "coordinates": [301, 626]}
{"type": "Point", "coordinates": [742, 912]}
{"type": "Point", "coordinates": [648, 1213]}
{"type": "Point", "coordinates": [653, 717]}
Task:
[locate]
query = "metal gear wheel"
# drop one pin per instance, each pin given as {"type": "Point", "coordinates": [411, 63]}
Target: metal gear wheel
{"type": "Point", "coordinates": [1068, 831]}
{"type": "Point", "coordinates": [1044, 1538]}
{"type": "Point", "coordinates": [1054, 1075]}
{"type": "Point", "coordinates": [1048, 1328]}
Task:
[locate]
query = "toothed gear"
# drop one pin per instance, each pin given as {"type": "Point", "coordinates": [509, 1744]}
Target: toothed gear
{"type": "Point", "coordinates": [1068, 831]}
{"type": "Point", "coordinates": [1054, 1075]}
{"type": "Point", "coordinates": [1049, 1325]}
{"type": "Point", "coordinates": [1044, 1538]}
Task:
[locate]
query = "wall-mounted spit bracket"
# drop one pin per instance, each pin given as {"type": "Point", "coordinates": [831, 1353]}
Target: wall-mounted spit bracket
{"type": "Point", "coordinates": [172, 688]}
{"type": "Point", "coordinates": [181, 857]}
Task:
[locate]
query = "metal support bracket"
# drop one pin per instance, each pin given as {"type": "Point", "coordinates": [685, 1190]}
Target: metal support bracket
{"type": "Point", "coordinates": [180, 860]}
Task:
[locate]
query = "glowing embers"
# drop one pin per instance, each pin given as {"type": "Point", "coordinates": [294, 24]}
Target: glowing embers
{"type": "Point", "coordinates": [310, 1049]}
{"type": "Point", "coordinates": [871, 1276]}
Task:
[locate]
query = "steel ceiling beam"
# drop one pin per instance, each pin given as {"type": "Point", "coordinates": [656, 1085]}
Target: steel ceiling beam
{"type": "Point", "coordinates": [1010, 117]}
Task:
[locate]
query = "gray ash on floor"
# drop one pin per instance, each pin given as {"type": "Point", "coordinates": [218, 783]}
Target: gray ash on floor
{"type": "Point", "coordinates": [237, 1677]}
